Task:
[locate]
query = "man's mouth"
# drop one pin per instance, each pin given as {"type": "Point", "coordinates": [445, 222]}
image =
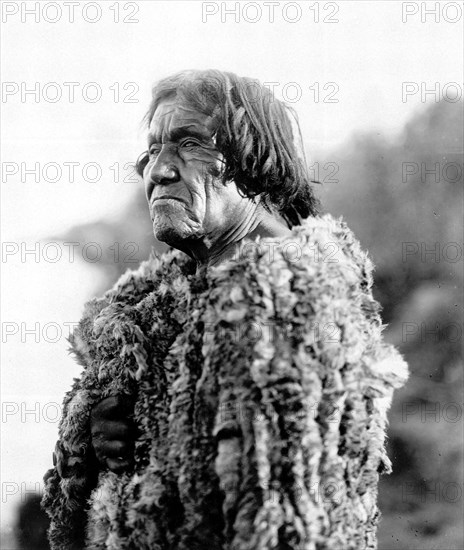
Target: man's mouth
{"type": "Point", "coordinates": [167, 203]}
{"type": "Point", "coordinates": [164, 199]}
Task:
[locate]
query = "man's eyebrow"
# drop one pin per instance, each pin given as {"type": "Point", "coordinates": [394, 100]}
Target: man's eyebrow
{"type": "Point", "coordinates": [179, 133]}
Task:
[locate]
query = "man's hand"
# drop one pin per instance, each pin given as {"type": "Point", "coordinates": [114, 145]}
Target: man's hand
{"type": "Point", "coordinates": [113, 433]}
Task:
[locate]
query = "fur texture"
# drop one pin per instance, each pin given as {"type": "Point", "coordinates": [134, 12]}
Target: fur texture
{"type": "Point", "coordinates": [261, 389]}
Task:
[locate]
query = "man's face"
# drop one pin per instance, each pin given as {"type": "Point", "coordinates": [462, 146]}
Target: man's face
{"type": "Point", "coordinates": [185, 193]}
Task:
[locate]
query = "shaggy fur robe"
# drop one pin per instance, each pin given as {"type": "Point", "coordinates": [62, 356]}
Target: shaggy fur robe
{"type": "Point", "coordinates": [261, 388]}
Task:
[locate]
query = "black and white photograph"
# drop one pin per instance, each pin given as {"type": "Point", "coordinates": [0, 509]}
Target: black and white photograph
{"type": "Point", "coordinates": [232, 275]}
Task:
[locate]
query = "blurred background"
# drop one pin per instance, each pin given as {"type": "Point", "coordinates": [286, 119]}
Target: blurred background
{"type": "Point", "coordinates": [389, 159]}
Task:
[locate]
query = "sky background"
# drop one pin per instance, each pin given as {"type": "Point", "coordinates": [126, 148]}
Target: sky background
{"type": "Point", "coordinates": [367, 54]}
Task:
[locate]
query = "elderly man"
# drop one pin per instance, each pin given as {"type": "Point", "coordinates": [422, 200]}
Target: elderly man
{"type": "Point", "coordinates": [234, 391]}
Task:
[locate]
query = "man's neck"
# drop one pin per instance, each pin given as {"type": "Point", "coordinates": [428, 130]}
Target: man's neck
{"type": "Point", "coordinates": [255, 222]}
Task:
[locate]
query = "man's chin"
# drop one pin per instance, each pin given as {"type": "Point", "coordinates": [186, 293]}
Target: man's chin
{"type": "Point", "coordinates": [173, 234]}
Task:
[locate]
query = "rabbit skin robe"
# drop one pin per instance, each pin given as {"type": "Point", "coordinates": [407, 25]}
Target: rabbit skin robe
{"type": "Point", "coordinates": [261, 389]}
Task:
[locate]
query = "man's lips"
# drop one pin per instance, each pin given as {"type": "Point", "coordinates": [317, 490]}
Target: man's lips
{"type": "Point", "coordinates": [166, 197]}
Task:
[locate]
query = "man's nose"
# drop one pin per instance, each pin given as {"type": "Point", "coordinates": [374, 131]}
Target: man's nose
{"type": "Point", "coordinates": [163, 171]}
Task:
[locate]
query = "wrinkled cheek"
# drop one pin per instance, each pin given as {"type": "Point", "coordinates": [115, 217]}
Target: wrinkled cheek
{"type": "Point", "coordinates": [214, 170]}
{"type": "Point", "coordinates": [210, 164]}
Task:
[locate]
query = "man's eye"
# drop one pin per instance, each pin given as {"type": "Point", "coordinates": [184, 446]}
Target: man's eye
{"type": "Point", "coordinates": [189, 143]}
{"type": "Point", "coordinates": [154, 150]}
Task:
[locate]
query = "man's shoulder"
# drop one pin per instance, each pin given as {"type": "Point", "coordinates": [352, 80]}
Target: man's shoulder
{"type": "Point", "coordinates": [321, 246]}
{"type": "Point", "coordinates": [135, 284]}
{"type": "Point", "coordinates": [132, 288]}
{"type": "Point", "coordinates": [336, 244]}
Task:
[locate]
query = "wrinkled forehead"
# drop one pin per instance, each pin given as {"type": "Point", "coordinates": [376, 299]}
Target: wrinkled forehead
{"type": "Point", "coordinates": [174, 117]}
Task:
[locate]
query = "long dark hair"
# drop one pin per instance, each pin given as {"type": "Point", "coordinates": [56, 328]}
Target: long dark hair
{"type": "Point", "coordinates": [258, 135]}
